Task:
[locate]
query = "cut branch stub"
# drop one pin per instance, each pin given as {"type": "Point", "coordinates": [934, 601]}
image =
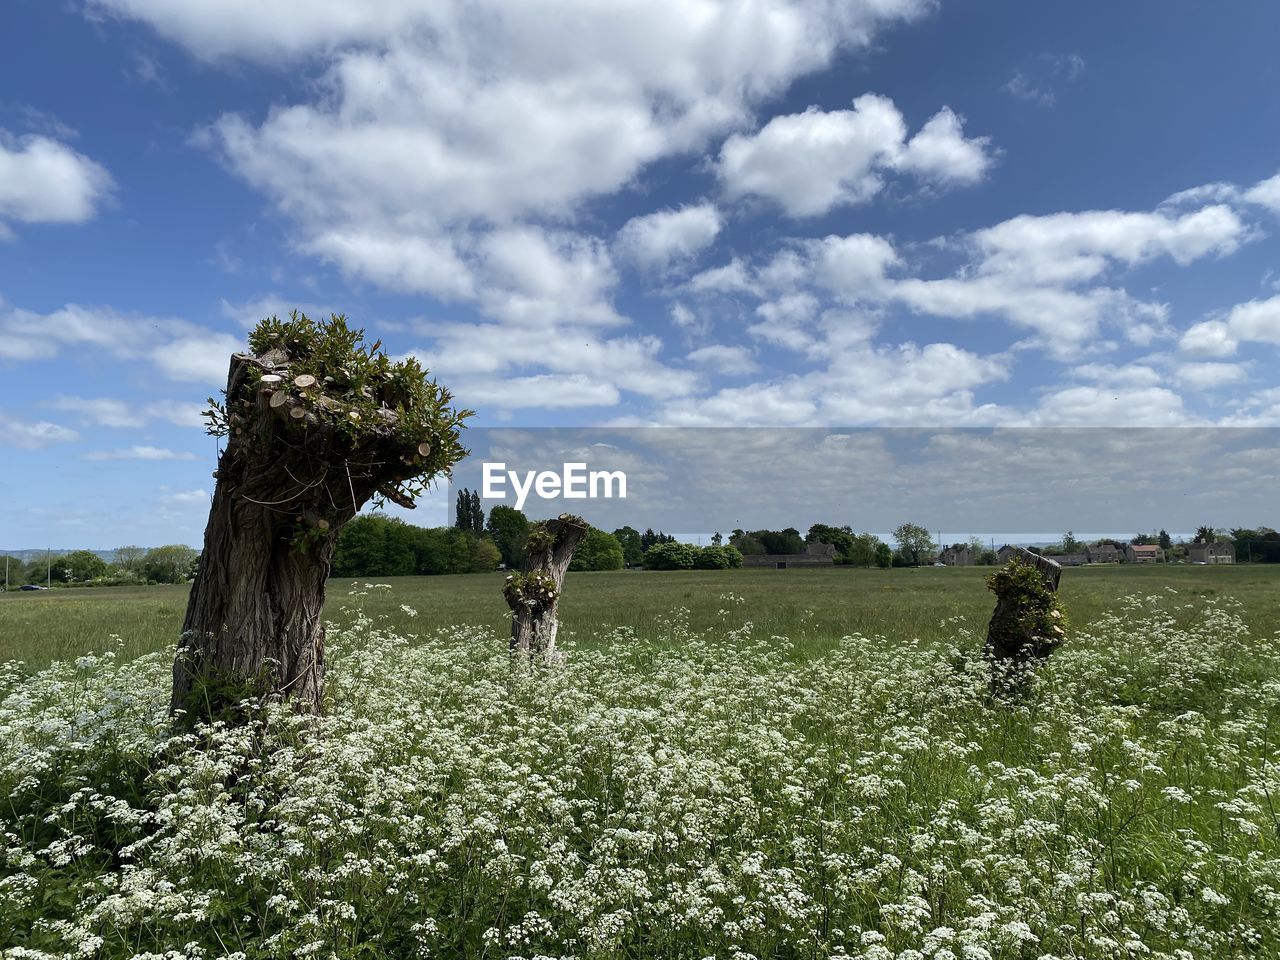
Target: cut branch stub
{"type": "Point", "coordinates": [533, 594]}
{"type": "Point", "coordinates": [304, 380]}
{"type": "Point", "coordinates": [1028, 624]}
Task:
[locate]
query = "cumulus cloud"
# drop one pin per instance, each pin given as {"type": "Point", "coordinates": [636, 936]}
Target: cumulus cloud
{"type": "Point", "coordinates": [1257, 321]}
{"type": "Point", "coordinates": [27, 435]}
{"type": "Point", "coordinates": [179, 350]}
{"type": "Point", "coordinates": [1265, 193]}
{"type": "Point", "coordinates": [731, 361]}
{"type": "Point", "coordinates": [658, 240]}
{"type": "Point", "coordinates": [811, 162]}
{"type": "Point", "coordinates": [45, 181]}
{"type": "Point", "coordinates": [139, 452]}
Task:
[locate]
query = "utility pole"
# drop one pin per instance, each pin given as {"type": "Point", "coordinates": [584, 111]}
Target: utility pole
{"type": "Point", "coordinates": [48, 567]}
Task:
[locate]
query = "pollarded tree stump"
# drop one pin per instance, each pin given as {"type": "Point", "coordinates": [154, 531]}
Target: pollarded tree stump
{"type": "Point", "coordinates": [533, 594]}
{"type": "Point", "coordinates": [1028, 624]}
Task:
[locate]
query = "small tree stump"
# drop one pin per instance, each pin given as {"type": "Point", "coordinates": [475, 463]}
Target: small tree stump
{"type": "Point", "coordinates": [1027, 624]}
{"type": "Point", "coordinates": [533, 594]}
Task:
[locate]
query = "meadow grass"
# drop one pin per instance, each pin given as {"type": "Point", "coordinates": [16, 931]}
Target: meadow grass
{"type": "Point", "coordinates": [811, 607]}
{"type": "Point", "coordinates": [710, 788]}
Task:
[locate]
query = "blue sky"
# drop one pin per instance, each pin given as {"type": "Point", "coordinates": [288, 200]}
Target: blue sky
{"type": "Point", "coordinates": [804, 213]}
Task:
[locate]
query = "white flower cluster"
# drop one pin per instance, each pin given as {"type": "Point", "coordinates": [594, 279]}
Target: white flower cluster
{"type": "Point", "coordinates": [706, 795]}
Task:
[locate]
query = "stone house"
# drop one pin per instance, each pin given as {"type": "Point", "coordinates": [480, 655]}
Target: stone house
{"type": "Point", "coordinates": [1221, 552]}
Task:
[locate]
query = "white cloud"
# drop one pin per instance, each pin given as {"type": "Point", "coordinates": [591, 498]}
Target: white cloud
{"type": "Point", "coordinates": [1070, 248]}
{"type": "Point", "coordinates": [1037, 81]}
{"type": "Point", "coordinates": [547, 391]}
{"type": "Point", "coordinates": [123, 414]}
{"type": "Point", "coordinates": [1265, 193]}
{"type": "Point", "coordinates": [658, 240]}
{"type": "Point", "coordinates": [139, 452]}
{"type": "Point", "coordinates": [202, 357]}
{"type": "Point", "coordinates": [941, 153]}
{"type": "Point", "coordinates": [434, 122]}
{"type": "Point", "coordinates": [811, 162]}
{"type": "Point", "coordinates": [103, 411]}
{"type": "Point", "coordinates": [1212, 338]}
{"type": "Point", "coordinates": [44, 181]}
{"type": "Point", "coordinates": [1257, 321]}
{"type": "Point", "coordinates": [731, 361]}
{"type": "Point", "coordinates": [1209, 375]}
{"type": "Point", "coordinates": [1111, 407]}
{"type": "Point", "coordinates": [186, 498]}
{"type": "Point", "coordinates": [15, 432]}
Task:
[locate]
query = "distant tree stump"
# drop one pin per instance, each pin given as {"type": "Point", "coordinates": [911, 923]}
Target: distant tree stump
{"type": "Point", "coordinates": [533, 594]}
{"type": "Point", "coordinates": [1028, 624]}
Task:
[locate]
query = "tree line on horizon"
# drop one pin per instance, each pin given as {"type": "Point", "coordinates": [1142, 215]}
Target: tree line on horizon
{"type": "Point", "coordinates": [132, 566]}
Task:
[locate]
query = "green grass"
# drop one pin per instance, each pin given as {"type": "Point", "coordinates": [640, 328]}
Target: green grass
{"type": "Point", "coordinates": [712, 791]}
{"type": "Point", "coordinates": [811, 607]}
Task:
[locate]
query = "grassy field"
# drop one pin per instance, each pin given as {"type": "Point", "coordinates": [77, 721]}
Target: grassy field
{"type": "Point", "coordinates": [811, 607]}
{"type": "Point", "coordinates": [730, 782]}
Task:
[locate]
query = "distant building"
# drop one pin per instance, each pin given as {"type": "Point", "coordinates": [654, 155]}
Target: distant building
{"type": "Point", "coordinates": [1106, 551]}
{"type": "Point", "coordinates": [1006, 553]}
{"type": "Point", "coordinates": [1220, 552]}
{"type": "Point", "coordinates": [1068, 559]}
{"type": "Point", "coordinates": [957, 555]}
{"type": "Point", "coordinates": [815, 555]}
{"type": "Point", "coordinates": [1143, 553]}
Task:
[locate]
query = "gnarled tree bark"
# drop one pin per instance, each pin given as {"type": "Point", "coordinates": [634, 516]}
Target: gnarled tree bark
{"type": "Point", "coordinates": [533, 594]}
{"type": "Point", "coordinates": [1024, 630]}
{"type": "Point", "coordinates": [293, 472]}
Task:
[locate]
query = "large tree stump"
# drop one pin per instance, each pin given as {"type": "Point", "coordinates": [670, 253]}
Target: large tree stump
{"type": "Point", "coordinates": [317, 424]}
{"type": "Point", "coordinates": [1027, 624]}
{"type": "Point", "coordinates": [533, 594]}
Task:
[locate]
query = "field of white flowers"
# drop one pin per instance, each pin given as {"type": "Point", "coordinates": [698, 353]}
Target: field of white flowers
{"type": "Point", "coordinates": [718, 794]}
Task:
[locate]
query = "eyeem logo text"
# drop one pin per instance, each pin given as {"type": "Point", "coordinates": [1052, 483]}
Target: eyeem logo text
{"type": "Point", "coordinates": [573, 482]}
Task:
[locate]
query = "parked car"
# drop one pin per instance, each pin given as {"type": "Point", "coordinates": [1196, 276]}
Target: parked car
{"type": "Point", "coordinates": [33, 586]}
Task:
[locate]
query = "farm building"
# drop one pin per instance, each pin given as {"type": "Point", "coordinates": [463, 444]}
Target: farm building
{"type": "Point", "coordinates": [1068, 559]}
{"type": "Point", "coordinates": [815, 555]}
{"type": "Point", "coordinates": [1006, 553]}
{"type": "Point", "coordinates": [1143, 553]}
{"type": "Point", "coordinates": [1105, 551]}
{"type": "Point", "coordinates": [1220, 552]}
{"type": "Point", "coordinates": [957, 555]}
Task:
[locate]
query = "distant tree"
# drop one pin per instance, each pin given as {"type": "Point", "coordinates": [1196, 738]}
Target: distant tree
{"type": "Point", "coordinates": [717, 539]}
{"type": "Point", "coordinates": [1164, 540]}
{"type": "Point", "coordinates": [989, 558]}
{"type": "Point", "coordinates": [865, 548]}
{"type": "Point", "coordinates": [81, 565]}
{"type": "Point", "coordinates": [130, 558]}
{"type": "Point", "coordinates": [883, 556]}
{"type": "Point", "coordinates": [770, 541]}
{"type": "Point", "coordinates": [914, 542]}
{"type": "Point", "coordinates": [362, 548]}
{"type": "Point", "coordinates": [173, 563]}
{"type": "Point", "coordinates": [670, 555]}
{"type": "Point", "coordinates": [47, 568]}
{"type": "Point", "coordinates": [1205, 535]}
{"type": "Point", "coordinates": [632, 548]}
{"type": "Point", "coordinates": [839, 537]}
{"type": "Point", "coordinates": [508, 527]}
{"type": "Point", "coordinates": [485, 557]}
{"type": "Point", "coordinates": [1070, 544]}
{"type": "Point", "coordinates": [747, 544]}
{"type": "Point", "coordinates": [649, 538]}
{"type": "Point", "coordinates": [598, 551]}
{"type": "Point", "coordinates": [15, 568]}
{"type": "Point", "coordinates": [468, 512]}
{"type": "Point", "coordinates": [717, 557]}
